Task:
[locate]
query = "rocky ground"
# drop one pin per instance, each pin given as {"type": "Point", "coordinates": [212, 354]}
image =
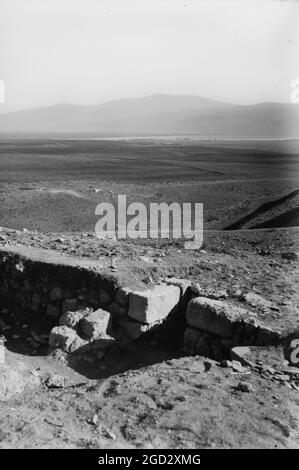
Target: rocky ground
{"type": "Point", "coordinates": [149, 393]}
{"type": "Point", "coordinates": [156, 401]}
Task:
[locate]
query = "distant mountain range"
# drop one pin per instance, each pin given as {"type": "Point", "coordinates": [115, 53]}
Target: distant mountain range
{"type": "Point", "coordinates": [160, 115]}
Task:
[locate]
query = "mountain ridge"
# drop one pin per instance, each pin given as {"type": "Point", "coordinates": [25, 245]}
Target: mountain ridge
{"type": "Point", "coordinates": [160, 113]}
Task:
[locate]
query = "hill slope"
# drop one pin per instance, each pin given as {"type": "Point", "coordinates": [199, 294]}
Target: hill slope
{"type": "Point", "coordinates": [161, 114]}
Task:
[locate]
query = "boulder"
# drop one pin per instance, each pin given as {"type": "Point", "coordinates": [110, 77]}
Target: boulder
{"type": "Point", "coordinates": [153, 305]}
{"type": "Point", "coordinates": [214, 316]}
{"type": "Point", "coordinates": [55, 381]}
{"type": "Point", "coordinates": [62, 337]}
{"type": "Point", "coordinates": [95, 324]}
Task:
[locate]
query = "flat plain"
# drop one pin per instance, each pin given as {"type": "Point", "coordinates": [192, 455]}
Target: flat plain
{"type": "Point", "coordinates": [54, 185]}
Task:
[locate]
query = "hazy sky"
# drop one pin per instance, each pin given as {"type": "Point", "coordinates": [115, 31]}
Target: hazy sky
{"type": "Point", "coordinates": [91, 51]}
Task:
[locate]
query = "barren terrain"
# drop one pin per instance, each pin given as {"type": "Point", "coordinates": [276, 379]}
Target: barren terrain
{"type": "Point", "coordinates": [150, 393]}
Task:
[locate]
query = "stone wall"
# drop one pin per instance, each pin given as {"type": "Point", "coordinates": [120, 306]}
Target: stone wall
{"type": "Point", "coordinates": [51, 289]}
{"type": "Point", "coordinates": [215, 326]}
{"type": "Point", "coordinates": [85, 305]}
{"type": "Point", "coordinates": [48, 288]}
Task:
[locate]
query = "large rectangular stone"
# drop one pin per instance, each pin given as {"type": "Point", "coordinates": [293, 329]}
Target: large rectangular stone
{"type": "Point", "coordinates": [153, 305]}
{"type": "Point", "coordinates": [214, 316]}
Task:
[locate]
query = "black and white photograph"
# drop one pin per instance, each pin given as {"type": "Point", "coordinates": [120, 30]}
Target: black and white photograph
{"type": "Point", "coordinates": [149, 221]}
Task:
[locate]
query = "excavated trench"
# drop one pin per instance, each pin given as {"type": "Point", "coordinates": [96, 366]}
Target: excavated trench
{"type": "Point", "coordinates": [37, 291]}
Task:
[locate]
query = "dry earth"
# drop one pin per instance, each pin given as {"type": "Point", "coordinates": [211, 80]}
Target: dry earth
{"type": "Point", "coordinates": [150, 393]}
